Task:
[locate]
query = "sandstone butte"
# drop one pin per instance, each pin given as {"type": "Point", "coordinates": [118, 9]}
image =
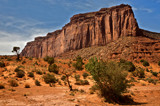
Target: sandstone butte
{"type": "Point", "coordinates": [86, 30]}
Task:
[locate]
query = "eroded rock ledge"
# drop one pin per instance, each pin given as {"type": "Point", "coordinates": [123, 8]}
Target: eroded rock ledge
{"type": "Point", "coordinates": [86, 30]}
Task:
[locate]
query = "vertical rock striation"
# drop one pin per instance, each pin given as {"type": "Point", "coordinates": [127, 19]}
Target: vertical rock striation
{"type": "Point", "coordinates": [85, 30]}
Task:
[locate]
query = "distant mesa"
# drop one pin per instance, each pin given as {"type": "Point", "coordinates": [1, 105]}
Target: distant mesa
{"type": "Point", "coordinates": [87, 30]}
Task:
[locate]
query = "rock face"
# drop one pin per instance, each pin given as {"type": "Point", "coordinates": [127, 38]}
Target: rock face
{"type": "Point", "coordinates": [86, 30]}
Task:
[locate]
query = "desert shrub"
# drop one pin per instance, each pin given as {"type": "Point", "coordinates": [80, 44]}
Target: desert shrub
{"type": "Point", "coordinates": [145, 63]}
{"type": "Point", "coordinates": [79, 63]}
{"type": "Point", "coordinates": [53, 68]}
{"type": "Point", "coordinates": [2, 86]}
{"type": "Point", "coordinates": [63, 77]}
{"type": "Point", "coordinates": [36, 63]}
{"type": "Point", "coordinates": [30, 74]}
{"type": "Point", "coordinates": [155, 74]}
{"type": "Point", "coordinates": [13, 83]}
{"type": "Point", "coordinates": [23, 62]}
{"type": "Point", "coordinates": [27, 86]}
{"type": "Point", "coordinates": [77, 77]}
{"type": "Point", "coordinates": [85, 82]}
{"type": "Point", "coordinates": [139, 72]}
{"type": "Point", "coordinates": [2, 64]}
{"type": "Point", "coordinates": [9, 59]}
{"type": "Point", "coordinates": [150, 80]}
{"type": "Point", "coordinates": [30, 58]}
{"type": "Point", "coordinates": [85, 75]}
{"type": "Point", "coordinates": [142, 60]}
{"type": "Point", "coordinates": [48, 59]}
{"type": "Point", "coordinates": [37, 83]}
{"type": "Point", "coordinates": [82, 82]}
{"type": "Point", "coordinates": [49, 78]}
{"type": "Point", "coordinates": [20, 74]}
{"type": "Point", "coordinates": [109, 77]}
{"type": "Point", "coordinates": [127, 65]}
{"type": "Point", "coordinates": [39, 72]}
{"type": "Point", "coordinates": [147, 70]}
{"type": "Point", "coordinates": [159, 63]}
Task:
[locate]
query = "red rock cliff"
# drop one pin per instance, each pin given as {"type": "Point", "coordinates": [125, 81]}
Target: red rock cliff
{"type": "Point", "coordinates": [85, 30]}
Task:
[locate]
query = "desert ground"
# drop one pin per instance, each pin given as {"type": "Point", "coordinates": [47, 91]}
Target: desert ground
{"type": "Point", "coordinates": [144, 91]}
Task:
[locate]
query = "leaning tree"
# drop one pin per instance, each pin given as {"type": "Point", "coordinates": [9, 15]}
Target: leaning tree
{"type": "Point", "coordinates": [17, 50]}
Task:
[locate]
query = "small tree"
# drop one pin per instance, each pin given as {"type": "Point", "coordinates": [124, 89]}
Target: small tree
{"type": "Point", "coordinates": [67, 74]}
{"type": "Point", "coordinates": [17, 50]}
{"type": "Point", "coordinates": [110, 78]}
{"type": "Point", "coordinates": [79, 63]}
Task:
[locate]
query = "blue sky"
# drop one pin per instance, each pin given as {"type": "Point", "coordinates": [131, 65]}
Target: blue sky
{"type": "Point", "coordinates": [22, 20]}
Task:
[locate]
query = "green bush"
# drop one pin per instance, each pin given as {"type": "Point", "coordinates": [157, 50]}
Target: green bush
{"type": "Point", "coordinates": [63, 77]}
{"type": "Point", "coordinates": [147, 70]}
{"type": "Point", "coordinates": [9, 59]}
{"type": "Point", "coordinates": [127, 65]}
{"type": "Point", "coordinates": [77, 77]}
{"type": "Point", "coordinates": [49, 78]}
{"type": "Point", "coordinates": [27, 86]}
{"type": "Point", "coordinates": [20, 74]}
{"type": "Point", "coordinates": [48, 59]}
{"type": "Point", "coordinates": [145, 63]}
{"type": "Point", "coordinates": [159, 63]}
{"type": "Point", "coordinates": [150, 80]}
{"type": "Point", "coordinates": [2, 86]}
{"type": "Point", "coordinates": [85, 75]}
{"type": "Point", "coordinates": [110, 78]}
{"type": "Point", "coordinates": [39, 72]}
{"type": "Point", "coordinates": [36, 63]}
{"type": "Point", "coordinates": [24, 62]}
{"type": "Point", "coordinates": [13, 83]}
{"type": "Point", "coordinates": [139, 72]}
{"type": "Point", "coordinates": [37, 83]}
{"type": "Point", "coordinates": [142, 61]}
{"type": "Point", "coordinates": [155, 74]}
{"type": "Point", "coordinates": [79, 63]}
{"type": "Point", "coordinates": [82, 82]}
{"type": "Point", "coordinates": [30, 74]}
{"type": "Point", "coordinates": [2, 64]}
{"type": "Point", "coordinates": [53, 68]}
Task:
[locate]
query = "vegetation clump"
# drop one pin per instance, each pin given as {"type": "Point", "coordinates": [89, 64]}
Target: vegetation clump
{"type": "Point", "coordinates": [82, 82]}
{"type": "Point", "coordinates": [85, 75]}
{"type": "Point", "coordinates": [48, 59]}
{"type": "Point", "coordinates": [49, 78]}
{"type": "Point", "coordinates": [30, 74]}
{"type": "Point", "coordinates": [145, 63]}
{"type": "Point", "coordinates": [110, 78]}
{"type": "Point", "coordinates": [127, 65]}
{"type": "Point", "coordinates": [159, 63]}
{"type": "Point", "coordinates": [39, 72]}
{"type": "Point", "coordinates": [2, 64]}
{"type": "Point", "coordinates": [79, 63]}
{"type": "Point", "coordinates": [2, 86]}
{"type": "Point", "coordinates": [63, 78]}
{"type": "Point", "coordinates": [139, 72]}
{"type": "Point", "coordinates": [19, 72]}
{"type": "Point", "coordinates": [27, 86]}
{"type": "Point", "coordinates": [155, 74]}
{"type": "Point", "coordinates": [53, 68]}
{"type": "Point", "coordinates": [13, 83]}
{"type": "Point", "coordinates": [37, 83]}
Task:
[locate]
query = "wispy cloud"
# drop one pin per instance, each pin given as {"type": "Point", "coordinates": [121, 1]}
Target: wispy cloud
{"type": "Point", "coordinates": [20, 32]}
{"type": "Point", "coordinates": [143, 9]}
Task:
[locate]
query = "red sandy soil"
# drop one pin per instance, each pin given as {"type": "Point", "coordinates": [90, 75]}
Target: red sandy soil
{"type": "Point", "coordinates": [143, 93]}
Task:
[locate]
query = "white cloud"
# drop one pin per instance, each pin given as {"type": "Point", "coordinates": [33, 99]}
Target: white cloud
{"type": "Point", "coordinates": [143, 9]}
{"type": "Point", "coordinates": [20, 32]}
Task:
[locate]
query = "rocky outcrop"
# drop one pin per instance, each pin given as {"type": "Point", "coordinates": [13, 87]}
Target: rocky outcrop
{"type": "Point", "coordinates": [86, 30]}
